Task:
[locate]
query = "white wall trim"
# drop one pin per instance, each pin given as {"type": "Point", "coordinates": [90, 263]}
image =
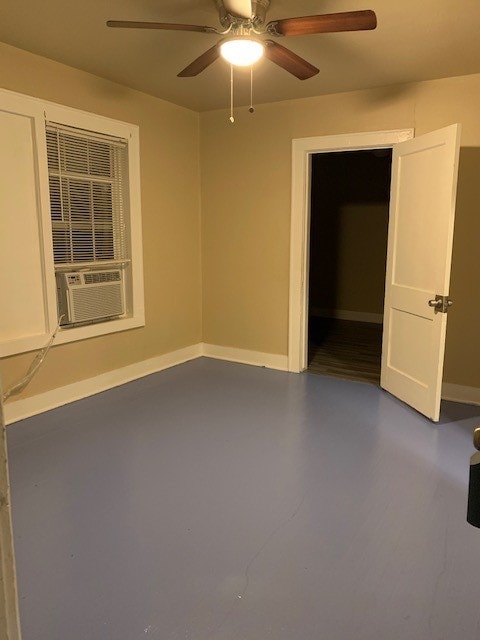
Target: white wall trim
{"type": "Point", "coordinates": [459, 393]}
{"type": "Point", "coordinates": [20, 409]}
{"type": "Point", "coordinates": [302, 150]}
{"type": "Point", "coordinates": [343, 314]}
{"type": "Point", "coordinates": [245, 356]}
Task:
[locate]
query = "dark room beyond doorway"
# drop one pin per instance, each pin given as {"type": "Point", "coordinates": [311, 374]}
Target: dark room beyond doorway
{"type": "Point", "coordinates": [348, 247]}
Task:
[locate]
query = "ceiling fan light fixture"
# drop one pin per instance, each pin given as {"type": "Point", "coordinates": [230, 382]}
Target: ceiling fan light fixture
{"type": "Point", "coordinates": [243, 51]}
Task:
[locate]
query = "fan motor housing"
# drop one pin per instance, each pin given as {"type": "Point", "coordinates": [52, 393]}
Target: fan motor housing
{"type": "Point", "coordinates": [259, 12]}
{"type": "Point", "coordinates": [260, 8]}
{"type": "Point", "coordinates": [222, 13]}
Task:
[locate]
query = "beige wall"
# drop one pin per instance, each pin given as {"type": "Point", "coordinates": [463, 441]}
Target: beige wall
{"type": "Point", "coordinates": [169, 148]}
{"type": "Point", "coordinates": [246, 191]}
{"type": "Point", "coordinates": [347, 268]}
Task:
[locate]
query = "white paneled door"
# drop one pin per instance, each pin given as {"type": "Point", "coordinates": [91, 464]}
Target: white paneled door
{"type": "Point", "coordinates": [420, 237]}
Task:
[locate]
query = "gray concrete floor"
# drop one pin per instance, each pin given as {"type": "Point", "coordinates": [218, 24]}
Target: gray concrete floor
{"type": "Point", "coordinates": [216, 501]}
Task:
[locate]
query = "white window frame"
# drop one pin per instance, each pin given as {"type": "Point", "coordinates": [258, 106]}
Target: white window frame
{"type": "Point", "coordinates": [76, 187]}
{"type": "Point", "coordinates": [40, 112]}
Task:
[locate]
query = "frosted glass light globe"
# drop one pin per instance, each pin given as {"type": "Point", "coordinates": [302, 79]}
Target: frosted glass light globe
{"type": "Point", "coordinates": [242, 52]}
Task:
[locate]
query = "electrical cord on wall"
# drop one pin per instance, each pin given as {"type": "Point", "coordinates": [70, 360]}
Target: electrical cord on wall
{"type": "Point", "coordinates": [34, 367]}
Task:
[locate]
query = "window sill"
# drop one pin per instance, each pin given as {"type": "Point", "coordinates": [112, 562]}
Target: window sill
{"type": "Point", "coordinates": [66, 335]}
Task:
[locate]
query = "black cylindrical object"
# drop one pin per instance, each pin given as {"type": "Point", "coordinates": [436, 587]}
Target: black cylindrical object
{"type": "Point", "coordinates": [473, 511]}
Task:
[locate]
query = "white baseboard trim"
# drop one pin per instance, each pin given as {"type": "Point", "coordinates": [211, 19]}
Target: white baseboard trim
{"type": "Point", "coordinates": [244, 356]}
{"type": "Point", "coordinates": [21, 409]}
{"type": "Point", "coordinates": [342, 314]}
{"type": "Point", "coordinates": [459, 393]}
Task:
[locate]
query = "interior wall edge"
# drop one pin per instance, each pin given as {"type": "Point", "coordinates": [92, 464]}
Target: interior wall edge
{"type": "Point", "coordinates": [246, 356]}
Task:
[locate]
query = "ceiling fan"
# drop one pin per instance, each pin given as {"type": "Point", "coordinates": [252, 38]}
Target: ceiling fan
{"type": "Point", "coordinates": [243, 21]}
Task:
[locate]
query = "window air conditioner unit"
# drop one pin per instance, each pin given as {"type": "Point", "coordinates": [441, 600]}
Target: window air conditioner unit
{"type": "Point", "coordinates": [90, 296]}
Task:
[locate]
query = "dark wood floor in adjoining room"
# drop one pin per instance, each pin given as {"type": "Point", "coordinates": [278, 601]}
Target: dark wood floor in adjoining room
{"type": "Point", "coordinates": [345, 349]}
{"type": "Point", "coordinates": [218, 501]}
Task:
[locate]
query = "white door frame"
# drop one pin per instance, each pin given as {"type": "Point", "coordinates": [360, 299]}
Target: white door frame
{"type": "Point", "coordinates": [302, 151]}
{"type": "Point", "coordinates": [9, 612]}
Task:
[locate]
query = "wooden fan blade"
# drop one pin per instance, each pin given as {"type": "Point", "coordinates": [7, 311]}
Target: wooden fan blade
{"type": "Point", "coordinates": [168, 26]}
{"type": "Point", "coordinates": [240, 8]}
{"type": "Point", "coordinates": [328, 23]}
{"type": "Point", "coordinates": [289, 61]}
{"type": "Point", "coordinates": [201, 63]}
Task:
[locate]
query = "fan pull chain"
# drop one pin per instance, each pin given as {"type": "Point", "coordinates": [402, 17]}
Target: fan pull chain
{"type": "Point", "coordinates": [232, 119]}
{"type": "Point", "coordinates": [251, 109]}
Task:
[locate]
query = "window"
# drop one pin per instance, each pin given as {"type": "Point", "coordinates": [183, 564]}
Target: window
{"type": "Point", "coordinates": [71, 192]}
{"type": "Point", "coordinates": [87, 174]}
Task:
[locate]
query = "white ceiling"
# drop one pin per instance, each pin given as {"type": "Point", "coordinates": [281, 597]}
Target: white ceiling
{"type": "Point", "coordinates": [414, 40]}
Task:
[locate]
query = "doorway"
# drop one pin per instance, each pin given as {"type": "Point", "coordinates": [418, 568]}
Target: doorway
{"type": "Point", "coordinates": [303, 149]}
{"type": "Point", "coordinates": [419, 254]}
{"type": "Point", "coordinates": [348, 247]}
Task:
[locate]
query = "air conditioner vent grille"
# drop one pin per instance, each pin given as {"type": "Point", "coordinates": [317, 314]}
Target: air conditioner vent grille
{"type": "Point", "coordinates": [97, 302]}
{"type": "Point", "coordinates": [102, 276]}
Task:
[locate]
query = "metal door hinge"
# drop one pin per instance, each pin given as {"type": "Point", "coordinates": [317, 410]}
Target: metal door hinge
{"type": "Point", "coordinates": [441, 304]}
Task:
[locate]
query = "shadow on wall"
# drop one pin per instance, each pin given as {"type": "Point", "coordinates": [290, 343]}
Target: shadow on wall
{"type": "Point", "coordinates": [462, 356]}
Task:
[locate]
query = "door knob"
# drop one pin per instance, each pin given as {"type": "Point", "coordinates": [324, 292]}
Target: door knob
{"type": "Point", "coordinates": [441, 304]}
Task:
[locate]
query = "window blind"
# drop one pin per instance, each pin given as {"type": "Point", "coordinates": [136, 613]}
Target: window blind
{"type": "Point", "coordinates": [88, 182]}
